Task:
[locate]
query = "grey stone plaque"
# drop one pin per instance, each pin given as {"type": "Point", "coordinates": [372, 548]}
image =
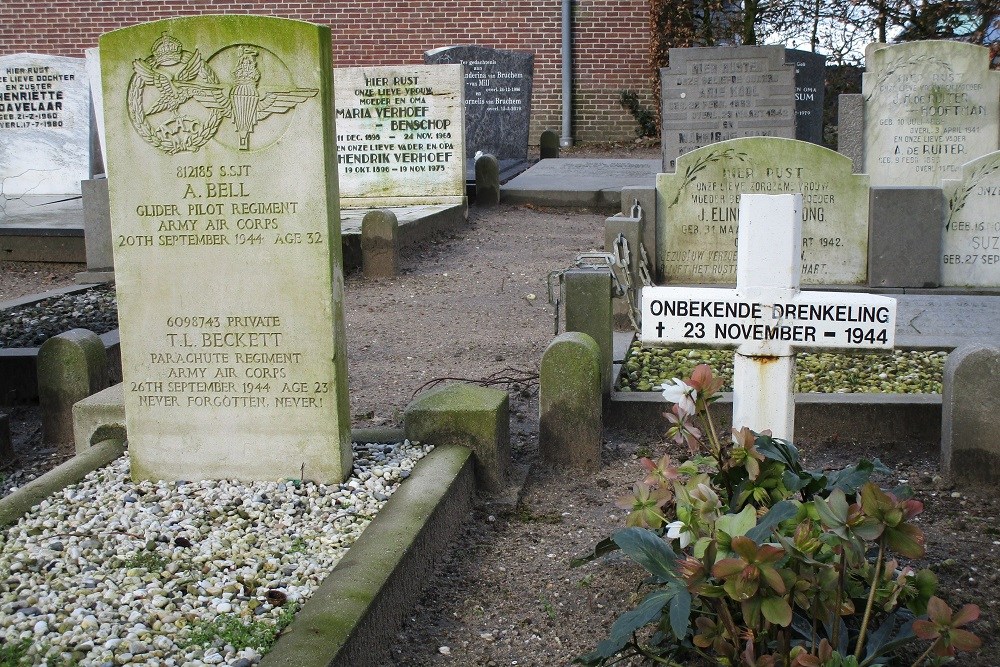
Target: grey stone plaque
{"type": "Point", "coordinates": [697, 209]}
{"type": "Point", "coordinates": [44, 124]}
{"type": "Point", "coordinates": [497, 98]}
{"type": "Point", "coordinates": [930, 107]}
{"type": "Point", "coordinates": [715, 94]}
{"type": "Point", "coordinates": [810, 80]}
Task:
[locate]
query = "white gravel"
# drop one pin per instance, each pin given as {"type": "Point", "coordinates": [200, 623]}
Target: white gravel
{"type": "Point", "coordinates": [110, 572]}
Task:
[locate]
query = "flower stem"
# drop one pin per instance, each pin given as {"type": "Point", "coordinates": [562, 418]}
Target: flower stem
{"type": "Point", "coordinates": [923, 656]}
{"type": "Point", "coordinates": [841, 575]}
{"type": "Point", "coordinates": [871, 599]}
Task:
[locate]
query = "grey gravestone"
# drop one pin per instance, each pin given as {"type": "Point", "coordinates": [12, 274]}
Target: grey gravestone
{"type": "Point", "coordinates": [71, 367]}
{"type": "Point", "coordinates": [969, 405]}
{"type": "Point", "coordinates": [696, 209]}
{"type": "Point", "coordinates": [548, 144]}
{"type": "Point", "coordinates": [380, 244]}
{"type": "Point", "coordinates": [970, 252]}
{"type": "Point", "coordinates": [930, 107]}
{"type": "Point", "coordinates": [44, 124]}
{"type": "Point", "coordinates": [904, 237]}
{"type": "Point", "coordinates": [498, 87]}
{"type": "Point", "coordinates": [487, 180]}
{"type": "Point", "coordinates": [712, 94]}
{"type": "Point", "coordinates": [569, 401]}
{"type": "Point", "coordinates": [810, 83]}
{"type": "Point", "coordinates": [227, 248]}
{"type": "Point", "coordinates": [399, 135]}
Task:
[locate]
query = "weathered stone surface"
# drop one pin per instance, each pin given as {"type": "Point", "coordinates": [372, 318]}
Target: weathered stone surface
{"type": "Point", "coordinates": [229, 275]}
{"type": "Point", "coordinates": [498, 87]}
{"type": "Point", "coordinates": [44, 124]}
{"type": "Point", "coordinates": [851, 129]}
{"type": "Point", "coordinates": [713, 94]}
{"type": "Point", "coordinates": [71, 367]}
{"type": "Point", "coordinates": [970, 451]}
{"type": "Point", "coordinates": [930, 107]}
{"type": "Point", "coordinates": [696, 209]}
{"type": "Point", "coordinates": [487, 180]}
{"type": "Point", "coordinates": [97, 225]}
{"type": "Point", "coordinates": [99, 415]}
{"type": "Point", "coordinates": [548, 144]}
{"type": "Point", "coordinates": [470, 416]}
{"type": "Point", "coordinates": [380, 244]}
{"type": "Point", "coordinates": [570, 402]}
{"type": "Point", "coordinates": [970, 249]}
{"type": "Point", "coordinates": [399, 135]}
{"type": "Point", "coordinates": [588, 310]}
{"type": "Point", "coordinates": [904, 240]}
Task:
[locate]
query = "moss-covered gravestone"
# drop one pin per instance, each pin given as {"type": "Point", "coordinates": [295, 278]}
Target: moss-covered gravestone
{"type": "Point", "coordinates": [570, 401]}
{"type": "Point", "coordinates": [224, 209]}
{"type": "Point", "coordinates": [969, 404]}
{"type": "Point", "coordinates": [71, 367]}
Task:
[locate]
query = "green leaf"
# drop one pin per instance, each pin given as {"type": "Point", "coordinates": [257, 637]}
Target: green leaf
{"type": "Point", "coordinates": [902, 637]}
{"type": "Point", "coordinates": [853, 478]}
{"type": "Point", "coordinates": [782, 511]}
{"type": "Point", "coordinates": [646, 548]}
{"type": "Point", "coordinates": [648, 611]}
{"type": "Point", "coordinates": [602, 548]}
{"type": "Point", "coordinates": [680, 612]}
{"type": "Point", "coordinates": [777, 611]}
{"type": "Point", "coordinates": [735, 525]}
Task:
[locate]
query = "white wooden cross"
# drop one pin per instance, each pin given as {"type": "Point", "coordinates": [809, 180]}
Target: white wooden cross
{"type": "Point", "coordinates": [766, 318]}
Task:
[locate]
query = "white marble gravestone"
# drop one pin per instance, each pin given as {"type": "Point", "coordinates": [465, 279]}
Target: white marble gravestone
{"type": "Point", "coordinates": [226, 233]}
{"type": "Point", "coordinates": [44, 124]}
{"type": "Point", "coordinates": [929, 108]}
{"type": "Point", "coordinates": [400, 135]}
{"type": "Point", "coordinates": [697, 208]}
{"type": "Point", "coordinates": [766, 318]}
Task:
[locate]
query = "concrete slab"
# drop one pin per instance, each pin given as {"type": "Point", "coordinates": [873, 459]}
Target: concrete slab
{"type": "Point", "coordinates": [579, 182]}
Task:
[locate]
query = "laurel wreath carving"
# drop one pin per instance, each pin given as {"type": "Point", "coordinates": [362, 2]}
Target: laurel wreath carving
{"type": "Point", "coordinates": [691, 172]}
{"type": "Point", "coordinates": [157, 138]}
{"type": "Point", "coordinates": [900, 64]}
{"type": "Point", "coordinates": [960, 196]}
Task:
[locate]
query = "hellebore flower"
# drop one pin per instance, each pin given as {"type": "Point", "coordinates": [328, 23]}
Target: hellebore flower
{"type": "Point", "coordinates": [681, 393]}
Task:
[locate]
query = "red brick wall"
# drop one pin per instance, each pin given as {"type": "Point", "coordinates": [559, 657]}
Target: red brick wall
{"type": "Point", "coordinates": [609, 53]}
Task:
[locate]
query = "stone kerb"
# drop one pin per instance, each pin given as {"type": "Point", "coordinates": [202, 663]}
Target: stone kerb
{"type": "Point", "coordinates": [228, 377]}
{"type": "Point", "coordinates": [570, 401]}
{"type": "Point", "coordinates": [71, 367]}
{"type": "Point", "coordinates": [470, 416]}
{"type": "Point", "coordinates": [44, 124]}
{"type": "Point", "coordinates": [487, 180]}
{"type": "Point", "coordinates": [696, 210]}
{"type": "Point", "coordinates": [970, 239]}
{"type": "Point", "coordinates": [970, 452]}
{"type": "Point", "coordinates": [380, 244]}
{"type": "Point", "coordinates": [929, 108]}
{"type": "Point", "coordinates": [400, 136]}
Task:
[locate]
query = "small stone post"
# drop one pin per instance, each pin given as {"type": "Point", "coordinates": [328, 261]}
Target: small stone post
{"type": "Point", "coordinates": [487, 181]}
{"type": "Point", "coordinates": [588, 309]}
{"type": "Point", "coordinates": [380, 244]}
{"type": "Point", "coordinates": [6, 445]}
{"type": "Point", "coordinates": [970, 452]}
{"type": "Point", "coordinates": [570, 401]}
{"type": "Point", "coordinates": [548, 146]}
{"type": "Point", "coordinates": [71, 367]}
{"type": "Point", "coordinates": [470, 416]}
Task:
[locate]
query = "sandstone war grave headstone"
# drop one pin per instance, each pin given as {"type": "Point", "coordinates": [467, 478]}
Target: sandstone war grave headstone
{"type": "Point", "coordinates": [44, 125]}
{"type": "Point", "coordinates": [766, 318]}
{"type": "Point", "coordinates": [697, 209]}
{"type": "Point", "coordinates": [929, 108]}
{"type": "Point", "coordinates": [810, 86]}
{"type": "Point", "coordinates": [223, 188]}
{"type": "Point", "coordinates": [970, 244]}
{"type": "Point", "coordinates": [498, 86]}
{"type": "Point", "coordinates": [399, 135]}
{"type": "Point", "coordinates": [713, 94]}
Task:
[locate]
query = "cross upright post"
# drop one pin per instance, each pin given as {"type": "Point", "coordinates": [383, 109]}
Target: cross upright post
{"type": "Point", "coordinates": [766, 318]}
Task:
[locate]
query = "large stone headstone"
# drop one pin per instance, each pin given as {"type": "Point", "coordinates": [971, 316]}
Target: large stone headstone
{"type": "Point", "coordinates": [810, 86]}
{"type": "Point", "coordinates": [697, 208]}
{"type": "Point", "coordinates": [44, 124]}
{"type": "Point", "coordinates": [497, 98]}
{"type": "Point", "coordinates": [970, 245]}
{"type": "Point", "coordinates": [223, 188]}
{"type": "Point", "coordinates": [399, 135]}
{"type": "Point", "coordinates": [930, 107]}
{"type": "Point", "coordinates": [713, 94]}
